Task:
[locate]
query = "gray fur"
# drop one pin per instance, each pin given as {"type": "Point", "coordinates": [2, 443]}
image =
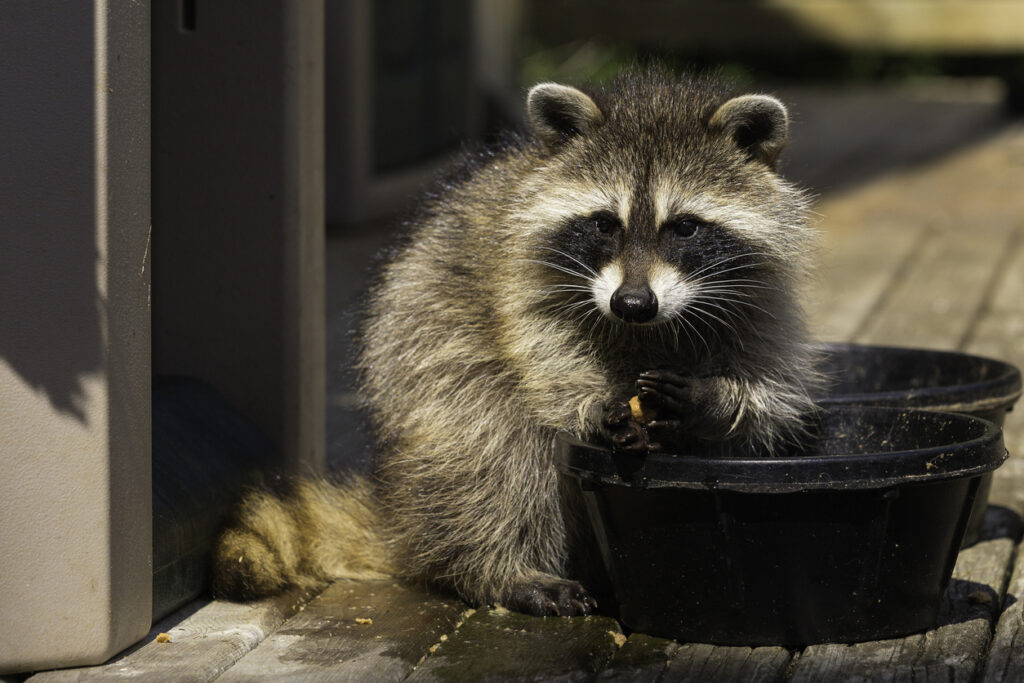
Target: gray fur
{"type": "Point", "coordinates": [478, 346]}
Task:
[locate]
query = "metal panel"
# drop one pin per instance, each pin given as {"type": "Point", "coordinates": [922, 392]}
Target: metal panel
{"type": "Point", "coordinates": [75, 535]}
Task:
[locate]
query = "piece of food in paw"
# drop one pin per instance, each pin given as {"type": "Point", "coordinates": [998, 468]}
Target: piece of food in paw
{"type": "Point", "coordinates": [641, 413]}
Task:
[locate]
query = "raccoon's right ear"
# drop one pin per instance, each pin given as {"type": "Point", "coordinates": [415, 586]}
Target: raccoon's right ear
{"type": "Point", "coordinates": [559, 113]}
{"type": "Point", "coordinates": [758, 124]}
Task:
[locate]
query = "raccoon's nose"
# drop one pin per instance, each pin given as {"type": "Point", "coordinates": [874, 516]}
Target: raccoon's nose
{"type": "Point", "coordinates": [634, 304]}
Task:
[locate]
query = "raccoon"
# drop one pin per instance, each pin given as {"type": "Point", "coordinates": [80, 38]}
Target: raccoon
{"type": "Point", "coordinates": [638, 241]}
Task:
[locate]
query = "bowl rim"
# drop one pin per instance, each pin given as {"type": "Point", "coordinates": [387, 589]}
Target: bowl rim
{"type": "Point", "coordinates": [967, 397]}
{"type": "Point", "coordinates": [597, 464]}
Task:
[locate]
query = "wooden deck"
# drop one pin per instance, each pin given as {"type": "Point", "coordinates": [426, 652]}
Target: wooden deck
{"type": "Point", "coordinates": [932, 256]}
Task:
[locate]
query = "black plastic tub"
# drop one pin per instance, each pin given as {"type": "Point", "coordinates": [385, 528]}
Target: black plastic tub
{"type": "Point", "coordinates": [853, 539]}
{"type": "Point", "coordinates": [870, 375]}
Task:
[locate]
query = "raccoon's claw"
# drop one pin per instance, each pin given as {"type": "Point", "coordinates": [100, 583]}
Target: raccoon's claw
{"type": "Point", "coordinates": [622, 431]}
{"type": "Point", "coordinates": [617, 413]}
{"type": "Point", "coordinates": [667, 376]}
{"type": "Point", "coordinates": [551, 598]}
{"type": "Point", "coordinates": [630, 437]}
{"type": "Point", "coordinates": [670, 392]}
{"type": "Point", "coordinates": [687, 406]}
{"type": "Point", "coordinates": [671, 432]}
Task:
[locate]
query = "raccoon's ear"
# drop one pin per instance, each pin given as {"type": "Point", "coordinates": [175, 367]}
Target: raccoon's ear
{"type": "Point", "coordinates": [758, 124]}
{"type": "Point", "coordinates": [559, 113]}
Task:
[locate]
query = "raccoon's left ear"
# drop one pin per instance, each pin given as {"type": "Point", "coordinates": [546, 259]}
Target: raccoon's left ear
{"type": "Point", "coordinates": [758, 124]}
{"type": "Point", "coordinates": [559, 113]}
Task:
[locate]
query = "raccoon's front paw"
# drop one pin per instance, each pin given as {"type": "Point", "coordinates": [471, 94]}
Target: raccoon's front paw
{"type": "Point", "coordinates": [551, 597]}
{"type": "Point", "coordinates": [622, 431]}
{"type": "Point", "coordinates": [687, 407]}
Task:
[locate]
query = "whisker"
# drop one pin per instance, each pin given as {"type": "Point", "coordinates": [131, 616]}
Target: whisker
{"type": "Point", "coordinates": [572, 258]}
{"type": "Point", "coordinates": [719, 262]}
{"type": "Point", "coordinates": [749, 304]}
{"type": "Point", "coordinates": [558, 267]}
{"type": "Point", "coordinates": [706, 312]}
{"type": "Point", "coordinates": [557, 289]}
{"type": "Point", "coordinates": [710, 276]}
{"type": "Point", "coordinates": [739, 283]}
{"type": "Point", "coordinates": [700, 336]}
{"type": "Point", "coordinates": [736, 335]}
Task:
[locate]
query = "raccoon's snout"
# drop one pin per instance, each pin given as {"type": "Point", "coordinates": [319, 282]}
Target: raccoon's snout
{"type": "Point", "coordinates": [634, 304]}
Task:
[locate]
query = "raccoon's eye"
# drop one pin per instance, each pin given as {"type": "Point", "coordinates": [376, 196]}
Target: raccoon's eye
{"type": "Point", "coordinates": [684, 226]}
{"type": "Point", "coordinates": [604, 222]}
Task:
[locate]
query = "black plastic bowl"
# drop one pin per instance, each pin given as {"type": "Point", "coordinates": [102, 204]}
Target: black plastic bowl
{"type": "Point", "coordinates": [853, 539]}
{"type": "Point", "coordinates": [869, 375]}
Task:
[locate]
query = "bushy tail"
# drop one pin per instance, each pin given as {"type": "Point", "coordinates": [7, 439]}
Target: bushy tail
{"type": "Point", "coordinates": [317, 532]}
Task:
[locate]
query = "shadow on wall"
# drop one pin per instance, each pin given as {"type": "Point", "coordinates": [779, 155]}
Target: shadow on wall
{"type": "Point", "coordinates": [50, 306]}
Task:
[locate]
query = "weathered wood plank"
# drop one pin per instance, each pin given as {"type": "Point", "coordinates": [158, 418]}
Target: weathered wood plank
{"type": "Point", "coordinates": [642, 658]}
{"type": "Point", "coordinates": [855, 274]}
{"type": "Point", "coordinates": [353, 631]}
{"type": "Point", "coordinates": [206, 639]}
{"type": "Point", "coordinates": [937, 301]}
{"type": "Point", "coordinates": [969, 198]}
{"type": "Point", "coordinates": [1006, 654]}
{"type": "Point", "coordinates": [955, 649]}
{"type": "Point", "coordinates": [697, 662]}
{"type": "Point", "coordinates": [496, 644]}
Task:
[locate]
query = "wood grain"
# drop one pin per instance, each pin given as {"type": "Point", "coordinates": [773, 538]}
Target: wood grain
{"type": "Point", "coordinates": [1006, 654]}
{"type": "Point", "coordinates": [936, 301]}
{"type": "Point", "coordinates": [697, 662]}
{"type": "Point", "coordinates": [856, 274]}
{"type": "Point", "coordinates": [353, 631]}
{"type": "Point", "coordinates": [496, 644]}
{"type": "Point", "coordinates": [642, 658]}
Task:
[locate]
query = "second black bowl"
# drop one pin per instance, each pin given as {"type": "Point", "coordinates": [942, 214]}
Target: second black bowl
{"type": "Point", "coordinates": [871, 375]}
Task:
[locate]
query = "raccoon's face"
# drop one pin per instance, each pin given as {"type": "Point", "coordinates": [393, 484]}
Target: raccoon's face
{"type": "Point", "coordinates": [648, 231]}
{"type": "Point", "coordinates": [648, 262]}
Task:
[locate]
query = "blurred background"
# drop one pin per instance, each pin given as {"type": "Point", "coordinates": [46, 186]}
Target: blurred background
{"type": "Point", "coordinates": [873, 86]}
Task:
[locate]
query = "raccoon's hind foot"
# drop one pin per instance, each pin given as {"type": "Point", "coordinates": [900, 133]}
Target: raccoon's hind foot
{"type": "Point", "coordinates": [687, 407]}
{"type": "Point", "coordinates": [622, 431]}
{"type": "Point", "coordinates": [550, 597]}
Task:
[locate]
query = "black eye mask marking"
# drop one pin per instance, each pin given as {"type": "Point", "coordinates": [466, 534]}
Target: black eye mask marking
{"type": "Point", "coordinates": [684, 226]}
{"type": "Point", "coordinates": [605, 222]}
{"type": "Point", "coordinates": [695, 245]}
{"type": "Point", "coordinates": [585, 244]}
